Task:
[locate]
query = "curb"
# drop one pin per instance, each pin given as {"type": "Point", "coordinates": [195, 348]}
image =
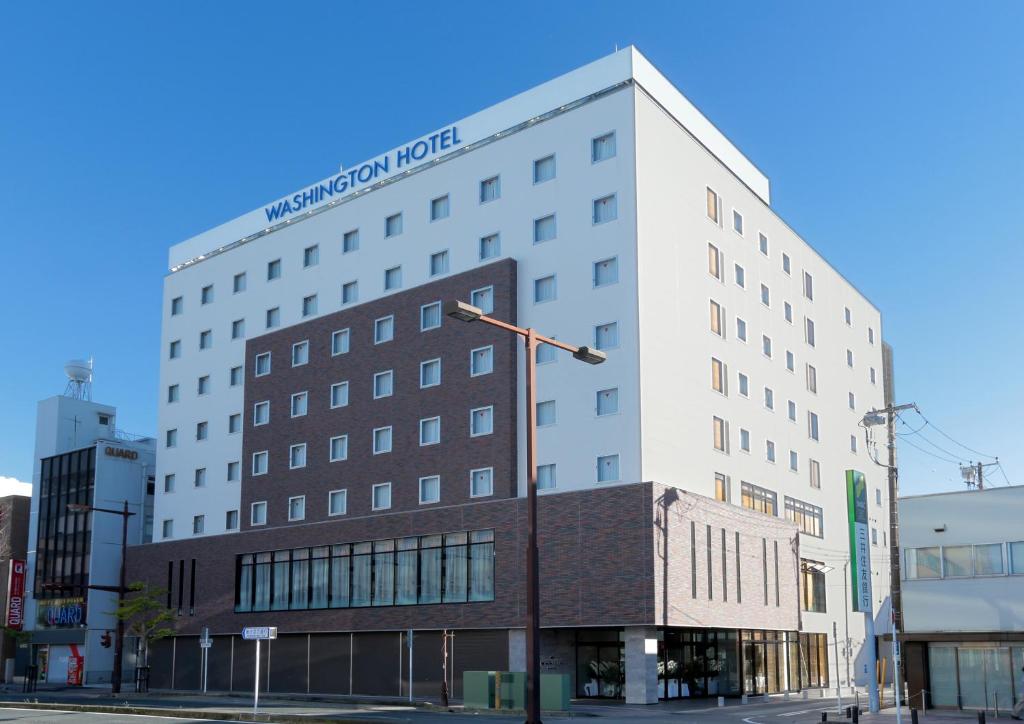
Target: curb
{"type": "Point", "coordinates": [191, 713]}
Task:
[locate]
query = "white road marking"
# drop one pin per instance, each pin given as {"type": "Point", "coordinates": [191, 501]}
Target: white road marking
{"type": "Point", "coordinates": [104, 713]}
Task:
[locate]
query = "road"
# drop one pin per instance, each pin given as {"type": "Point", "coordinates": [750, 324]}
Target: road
{"type": "Point", "coordinates": [78, 717]}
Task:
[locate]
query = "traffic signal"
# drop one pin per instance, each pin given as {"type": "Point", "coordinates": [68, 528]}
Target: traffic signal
{"type": "Point", "coordinates": [105, 640]}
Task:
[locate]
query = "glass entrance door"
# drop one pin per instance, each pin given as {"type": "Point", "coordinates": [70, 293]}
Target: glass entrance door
{"type": "Point", "coordinates": [600, 670]}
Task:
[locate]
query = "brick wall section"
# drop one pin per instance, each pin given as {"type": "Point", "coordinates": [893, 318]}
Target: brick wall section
{"type": "Point", "coordinates": [452, 400]}
{"type": "Point", "coordinates": [600, 565]}
{"type": "Point", "coordinates": [674, 511]}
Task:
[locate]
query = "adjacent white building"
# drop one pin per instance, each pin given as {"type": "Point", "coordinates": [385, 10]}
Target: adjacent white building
{"type": "Point", "coordinates": [739, 360]}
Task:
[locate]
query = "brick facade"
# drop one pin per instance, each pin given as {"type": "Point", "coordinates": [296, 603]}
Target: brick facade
{"type": "Point", "coordinates": [452, 459]}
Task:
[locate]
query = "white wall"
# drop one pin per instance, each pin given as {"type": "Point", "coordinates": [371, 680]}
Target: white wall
{"type": "Point", "coordinates": [676, 347]}
{"type": "Point", "coordinates": [975, 604]}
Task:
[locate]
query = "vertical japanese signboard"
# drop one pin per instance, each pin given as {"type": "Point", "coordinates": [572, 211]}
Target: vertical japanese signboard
{"type": "Point", "coordinates": [860, 546]}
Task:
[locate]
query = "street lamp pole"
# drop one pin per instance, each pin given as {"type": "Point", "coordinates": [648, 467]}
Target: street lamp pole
{"type": "Point", "coordinates": [121, 589]}
{"type": "Point", "coordinates": [468, 313]}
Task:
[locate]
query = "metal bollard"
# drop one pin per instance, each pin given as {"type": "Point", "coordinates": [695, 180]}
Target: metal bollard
{"type": "Point", "coordinates": [981, 717]}
{"type": "Point", "coordinates": [856, 714]}
{"type": "Point", "coordinates": [824, 716]}
{"type": "Point", "coordinates": [849, 709]}
{"type": "Point", "coordinates": [744, 698]}
{"type": "Point", "coordinates": [721, 703]}
{"type": "Point", "coordinates": [913, 716]}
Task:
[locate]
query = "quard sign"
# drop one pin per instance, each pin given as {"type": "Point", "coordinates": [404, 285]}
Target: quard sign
{"type": "Point", "coordinates": [120, 452]}
{"type": "Point", "coordinates": [16, 595]}
{"type": "Point", "coordinates": [61, 612]}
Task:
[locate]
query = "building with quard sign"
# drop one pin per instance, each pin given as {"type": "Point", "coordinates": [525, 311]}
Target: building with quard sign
{"type": "Point", "coordinates": [81, 458]}
{"type": "Point", "coordinates": [338, 459]}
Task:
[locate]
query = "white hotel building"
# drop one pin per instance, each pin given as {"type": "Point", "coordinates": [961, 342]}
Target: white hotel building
{"type": "Point", "coordinates": [601, 208]}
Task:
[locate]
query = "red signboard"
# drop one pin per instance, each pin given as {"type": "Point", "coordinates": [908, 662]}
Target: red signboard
{"type": "Point", "coordinates": [16, 595]}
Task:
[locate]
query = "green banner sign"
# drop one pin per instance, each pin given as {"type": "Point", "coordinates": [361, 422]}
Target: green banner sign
{"type": "Point", "coordinates": [860, 546]}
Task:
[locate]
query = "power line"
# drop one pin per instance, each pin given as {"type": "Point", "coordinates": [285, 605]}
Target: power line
{"type": "Point", "coordinates": [918, 433]}
{"type": "Point", "coordinates": [956, 442]}
{"type": "Point", "coordinates": [929, 452]}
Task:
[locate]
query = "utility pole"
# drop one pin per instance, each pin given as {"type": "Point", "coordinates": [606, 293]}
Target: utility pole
{"type": "Point", "coordinates": [846, 611]}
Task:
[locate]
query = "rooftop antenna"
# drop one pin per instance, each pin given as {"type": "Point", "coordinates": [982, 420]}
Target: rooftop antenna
{"type": "Point", "coordinates": [79, 372]}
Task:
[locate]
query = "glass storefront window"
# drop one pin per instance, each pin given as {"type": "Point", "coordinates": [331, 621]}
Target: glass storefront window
{"type": "Point", "coordinates": [942, 668]}
{"type": "Point", "coordinates": [988, 559]}
{"type": "Point", "coordinates": [957, 561]}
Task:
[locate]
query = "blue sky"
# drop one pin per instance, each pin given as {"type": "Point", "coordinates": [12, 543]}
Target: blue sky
{"type": "Point", "coordinates": [891, 132]}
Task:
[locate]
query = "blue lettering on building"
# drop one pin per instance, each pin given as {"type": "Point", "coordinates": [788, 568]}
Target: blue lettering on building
{"type": "Point", "coordinates": [364, 174]}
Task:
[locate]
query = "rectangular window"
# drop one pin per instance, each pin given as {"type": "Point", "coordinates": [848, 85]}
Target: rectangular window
{"type": "Point", "coordinates": [171, 438]}
{"type": "Point", "coordinates": [544, 229]}
{"type": "Point", "coordinates": [273, 318]}
{"type": "Point", "coordinates": [231, 520]}
{"type": "Point", "coordinates": [481, 361]}
{"type": "Point", "coordinates": [199, 478]}
{"type": "Point", "coordinates": [852, 401]}
{"type": "Point", "coordinates": [337, 502]}
{"type": "Point", "coordinates": [957, 561]}
{"type": "Point", "coordinates": [924, 562]}
{"type": "Point", "coordinates": [340, 341]}
{"type": "Point", "coordinates": [741, 329]}
{"type": "Point", "coordinates": [719, 376]}
{"type": "Point", "coordinates": [812, 586]}
{"type": "Point", "coordinates": [714, 206]}
{"type": "Point", "coordinates": [809, 331]}
{"type": "Point", "coordinates": [169, 483]}
{"type": "Point", "coordinates": [297, 507]}
{"type": "Point", "coordinates": [383, 384]}
{"type": "Point", "coordinates": [173, 394]}
{"type": "Point", "coordinates": [720, 428]}
{"type": "Point", "coordinates": [790, 361]}
{"type": "Point", "coordinates": [167, 529]}
{"type": "Point", "coordinates": [177, 306]}
{"type": "Point", "coordinates": [744, 384]}
{"type": "Point", "coordinates": [740, 275]}
{"type": "Point", "coordinates": [794, 461]}
{"type": "Point", "coordinates": [430, 373]}
{"type": "Point", "coordinates": [791, 410]}
{"type": "Point", "coordinates": [812, 379]}
{"type": "Point", "coordinates": [543, 169]}
{"type": "Point", "coordinates": [766, 296]}
{"type": "Point", "coordinates": [849, 358]}
{"type": "Point", "coordinates": [382, 440]}
{"type": "Point", "coordinates": [606, 272]}
{"type": "Point", "coordinates": [350, 241]}
{"type": "Point", "coordinates": [430, 316]}
{"type": "Point", "coordinates": [175, 349]}
{"type": "Point", "coordinates": [273, 270]}
{"type": "Point", "coordinates": [439, 263]}
{"type": "Point", "coordinates": [259, 517]}
{"type": "Point", "coordinates": [339, 394]}
{"type": "Point", "coordinates": [546, 413]}
{"type": "Point", "coordinates": [202, 430]}
{"type": "Point", "coordinates": [309, 305]}
{"type": "Point", "coordinates": [544, 289]}
{"type": "Point", "coordinates": [393, 278]}
{"type": "Point", "coordinates": [722, 487]}
{"type": "Point", "coordinates": [766, 345]}
{"type": "Point", "coordinates": [847, 316]}
{"type": "Point", "coordinates": [988, 560]}
{"type": "Point", "coordinates": [206, 294]}
{"type": "Point", "coordinates": [430, 431]}
{"type": "Point", "coordinates": [737, 222]}
{"type": "Point", "coordinates": [300, 353]}
{"type": "Point", "coordinates": [546, 353]}
{"type": "Point", "coordinates": [787, 311]}
{"type": "Point", "coordinates": [430, 489]}
{"type": "Point", "coordinates": [483, 298]}
{"type": "Point", "coordinates": [757, 498]}
{"type": "Point", "coordinates": [311, 256]}
{"type": "Point", "coordinates": [546, 477]}
{"type": "Point", "coordinates": [1016, 551]}
{"type": "Point", "coordinates": [714, 262]}
{"type": "Point", "coordinates": [481, 482]}
{"type": "Point", "coordinates": [853, 443]}
{"type": "Point", "coordinates": [608, 468]}
{"type": "Point", "coordinates": [235, 376]}
{"type": "Point", "coordinates": [382, 496]}
{"type": "Point", "coordinates": [262, 364]}
{"type": "Point", "coordinates": [350, 292]}
{"type": "Point", "coordinates": [871, 335]}
{"type": "Point", "coordinates": [608, 401]}
{"type": "Point", "coordinates": [717, 315]}
{"type": "Point", "coordinates": [339, 448]}
{"type": "Point", "coordinates": [785, 264]}
{"type": "Point", "coordinates": [606, 336]}
{"type": "Point", "coordinates": [769, 398]}
{"type": "Point", "coordinates": [808, 285]}
{"type": "Point", "coordinates": [762, 243]}
{"type": "Point", "coordinates": [205, 339]}
{"type": "Point", "coordinates": [815, 473]}
{"type": "Point", "coordinates": [393, 225]}
{"type": "Point", "coordinates": [481, 421]}
{"type": "Point", "coordinates": [297, 456]}
{"type": "Point", "coordinates": [812, 425]}
{"type": "Point", "coordinates": [234, 471]}
{"type": "Point", "coordinates": [234, 423]}
{"type": "Point", "coordinates": [744, 440]}
{"type": "Point", "coordinates": [871, 375]}
{"type": "Point", "coordinates": [300, 404]}
{"type": "Point", "coordinates": [769, 451]}
{"type": "Point", "coordinates": [384, 329]}
{"type": "Point", "coordinates": [602, 147]}
{"type": "Point", "coordinates": [490, 247]}
{"type": "Point", "coordinates": [606, 209]}
{"type": "Point", "coordinates": [439, 208]}
{"type": "Point", "coordinates": [203, 385]}
{"type": "Point", "coordinates": [490, 189]}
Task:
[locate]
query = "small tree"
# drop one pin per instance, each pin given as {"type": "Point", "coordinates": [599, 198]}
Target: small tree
{"type": "Point", "coordinates": [145, 616]}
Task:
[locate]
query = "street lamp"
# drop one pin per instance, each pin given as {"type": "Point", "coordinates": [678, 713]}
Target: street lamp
{"type": "Point", "coordinates": [120, 590]}
{"type": "Point", "coordinates": [468, 313]}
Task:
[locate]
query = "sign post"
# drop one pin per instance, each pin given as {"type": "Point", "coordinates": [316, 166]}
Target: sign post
{"type": "Point", "coordinates": [257, 634]}
{"type": "Point", "coordinates": [205, 642]}
{"type": "Point", "coordinates": [860, 572]}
